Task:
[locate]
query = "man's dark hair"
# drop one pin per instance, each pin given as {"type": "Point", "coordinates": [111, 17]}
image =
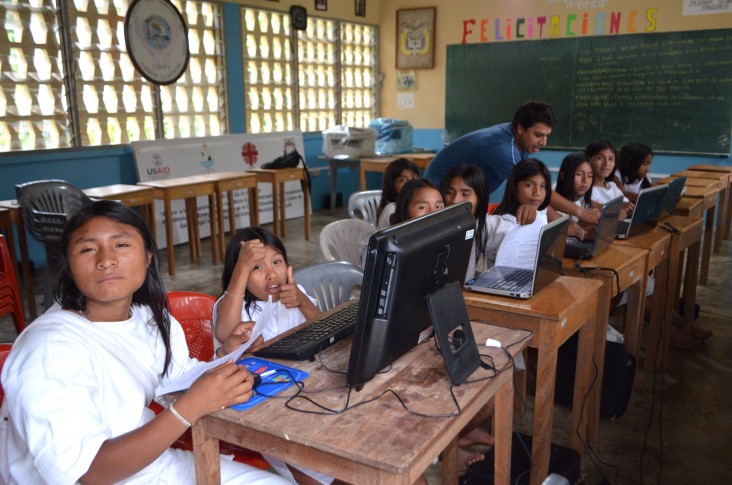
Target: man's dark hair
{"type": "Point", "coordinates": [533, 112]}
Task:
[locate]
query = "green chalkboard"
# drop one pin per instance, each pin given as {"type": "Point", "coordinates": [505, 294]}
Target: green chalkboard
{"type": "Point", "coordinates": [672, 91]}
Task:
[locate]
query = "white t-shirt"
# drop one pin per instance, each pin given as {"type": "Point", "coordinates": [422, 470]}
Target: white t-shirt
{"type": "Point", "coordinates": [67, 393]}
{"type": "Point", "coordinates": [603, 195]}
{"type": "Point", "coordinates": [281, 320]}
{"type": "Point", "coordinates": [383, 221]}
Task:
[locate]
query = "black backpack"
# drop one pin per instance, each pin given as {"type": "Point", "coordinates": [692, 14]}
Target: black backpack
{"type": "Point", "coordinates": [289, 160]}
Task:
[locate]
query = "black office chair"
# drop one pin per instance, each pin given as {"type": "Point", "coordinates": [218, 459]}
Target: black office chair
{"type": "Point", "coordinates": [47, 205]}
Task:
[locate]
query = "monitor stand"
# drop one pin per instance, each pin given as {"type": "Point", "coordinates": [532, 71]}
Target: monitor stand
{"type": "Point", "coordinates": [453, 332]}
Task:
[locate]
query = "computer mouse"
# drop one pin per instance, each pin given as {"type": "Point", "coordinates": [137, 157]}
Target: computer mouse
{"type": "Point", "coordinates": [257, 380]}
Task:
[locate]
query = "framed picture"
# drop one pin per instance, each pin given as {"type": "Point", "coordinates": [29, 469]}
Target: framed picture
{"type": "Point", "coordinates": [415, 38]}
{"type": "Point", "coordinates": [321, 4]}
{"type": "Point", "coordinates": [360, 8]}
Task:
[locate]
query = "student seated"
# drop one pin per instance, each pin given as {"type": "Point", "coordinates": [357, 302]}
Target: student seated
{"type": "Point", "coordinates": [79, 379]}
{"type": "Point", "coordinates": [574, 183]}
{"type": "Point", "coordinates": [604, 189]}
{"type": "Point", "coordinates": [397, 173]}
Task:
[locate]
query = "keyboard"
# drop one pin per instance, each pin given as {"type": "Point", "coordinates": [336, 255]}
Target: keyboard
{"type": "Point", "coordinates": [514, 281]}
{"type": "Point", "coordinates": [319, 335]}
{"type": "Point", "coordinates": [576, 248]}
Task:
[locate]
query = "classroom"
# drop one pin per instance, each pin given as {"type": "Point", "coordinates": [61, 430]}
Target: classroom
{"type": "Point", "coordinates": [625, 70]}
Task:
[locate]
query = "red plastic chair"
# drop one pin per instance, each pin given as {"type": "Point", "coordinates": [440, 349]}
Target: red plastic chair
{"type": "Point", "coordinates": [4, 351]}
{"type": "Point", "coordinates": [10, 301]}
{"type": "Point", "coordinates": [492, 206]}
{"type": "Point", "coordinates": [194, 311]}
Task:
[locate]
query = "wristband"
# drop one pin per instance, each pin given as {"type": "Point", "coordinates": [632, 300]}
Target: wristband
{"type": "Point", "coordinates": [180, 418]}
{"type": "Point", "coordinates": [231, 294]}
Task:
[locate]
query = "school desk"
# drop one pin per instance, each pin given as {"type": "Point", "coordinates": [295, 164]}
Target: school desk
{"type": "Point", "coordinates": [187, 188]}
{"type": "Point", "coordinates": [378, 442]}
{"type": "Point", "coordinates": [229, 182]}
{"type": "Point", "coordinates": [689, 182]}
{"type": "Point", "coordinates": [723, 182]}
{"type": "Point", "coordinates": [728, 170]}
{"type": "Point", "coordinates": [15, 215]}
{"type": "Point", "coordinates": [555, 313]}
{"type": "Point", "coordinates": [685, 240]}
{"type": "Point", "coordinates": [708, 198]}
{"type": "Point", "coordinates": [378, 164]}
{"type": "Point", "coordinates": [130, 196]}
{"type": "Point", "coordinates": [278, 177]}
{"type": "Point", "coordinates": [656, 243]}
{"type": "Point", "coordinates": [689, 207]}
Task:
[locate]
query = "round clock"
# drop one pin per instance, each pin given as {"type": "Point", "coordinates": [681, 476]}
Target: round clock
{"type": "Point", "coordinates": [156, 37]}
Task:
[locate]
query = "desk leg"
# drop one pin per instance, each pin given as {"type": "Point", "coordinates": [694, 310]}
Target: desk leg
{"type": "Point", "coordinates": [449, 462]}
{"type": "Point", "coordinates": [582, 382]}
{"type": "Point", "coordinates": [601, 321]}
{"type": "Point", "coordinates": [283, 217]}
{"type": "Point", "coordinates": [546, 369]}
{"type": "Point", "coordinates": [502, 431]}
{"type": "Point", "coordinates": [232, 223]}
{"type": "Point", "coordinates": [362, 178]}
{"type": "Point", "coordinates": [707, 248]}
{"type": "Point", "coordinates": [662, 311]}
{"type": "Point", "coordinates": [221, 232]}
{"type": "Point", "coordinates": [332, 176]}
{"type": "Point", "coordinates": [214, 232]}
{"type": "Point", "coordinates": [150, 219]}
{"type": "Point", "coordinates": [721, 220]}
{"type": "Point", "coordinates": [253, 208]}
{"type": "Point", "coordinates": [191, 226]}
{"type": "Point", "coordinates": [634, 316]}
{"type": "Point", "coordinates": [206, 456]}
{"type": "Point", "coordinates": [169, 236]}
{"type": "Point", "coordinates": [728, 219]}
{"type": "Point", "coordinates": [689, 289]}
{"type": "Point", "coordinates": [275, 212]}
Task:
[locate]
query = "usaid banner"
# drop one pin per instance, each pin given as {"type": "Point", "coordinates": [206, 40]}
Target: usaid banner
{"type": "Point", "coordinates": [166, 159]}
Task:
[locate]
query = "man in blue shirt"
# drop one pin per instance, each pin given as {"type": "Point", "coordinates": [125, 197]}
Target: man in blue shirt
{"type": "Point", "coordinates": [496, 149]}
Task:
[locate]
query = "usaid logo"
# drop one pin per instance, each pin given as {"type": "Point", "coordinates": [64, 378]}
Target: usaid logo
{"type": "Point", "coordinates": [158, 170]}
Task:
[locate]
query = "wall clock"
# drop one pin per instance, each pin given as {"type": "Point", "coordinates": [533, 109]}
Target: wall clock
{"type": "Point", "coordinates": [156, 37]}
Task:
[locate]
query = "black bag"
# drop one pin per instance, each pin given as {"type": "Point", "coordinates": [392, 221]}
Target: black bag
{"type": "Point", "coordinates": [617, 380]}
{"type": "Point", "coordinates": [562, 461]}
{"type": "Point", "coordinates": [289, 160]}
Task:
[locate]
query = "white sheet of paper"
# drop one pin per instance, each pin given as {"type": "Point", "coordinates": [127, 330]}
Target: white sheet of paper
{"type": "Point", "coordinates": [518, 249]}
{"type": "Point", "coordinates": [186, 380]}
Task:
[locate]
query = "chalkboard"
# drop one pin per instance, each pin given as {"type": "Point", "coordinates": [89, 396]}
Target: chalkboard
{"type": "Point", "coordinates": [672, 91]}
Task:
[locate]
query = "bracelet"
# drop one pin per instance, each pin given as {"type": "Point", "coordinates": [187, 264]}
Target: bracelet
{"type": "Point", "coordinates": [231, 294]}
{"type": "Point", "coordinates": [180, 418]}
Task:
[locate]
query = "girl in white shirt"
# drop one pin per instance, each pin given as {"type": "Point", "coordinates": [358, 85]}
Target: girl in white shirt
{"type": "Point", "coordinates": [604, 189]}
{"type": "Point", "coordinates": [574, 183]}
{"type": "Point", "coordinates": [79, 380]}
{"type": "Point", "coordinates": [634, 164]}
{"type": "Point", "coordinates": [398, 172]}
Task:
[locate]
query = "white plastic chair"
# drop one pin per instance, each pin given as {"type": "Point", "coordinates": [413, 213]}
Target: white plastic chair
{"type": "Point", "coordinates": [345, 240]}
{"type": "Point", "coordinates": [330, 283]}
{"type": "Point", "coordinates": [363, 205]}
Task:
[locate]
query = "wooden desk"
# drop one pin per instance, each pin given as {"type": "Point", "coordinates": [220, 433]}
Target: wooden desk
{"type": "Point", "coordinates": [553, 315]}
{"type": "Point", "coordinates": [723, 180]}
{"type": "Point", "coordinates": [378, 164]}
{"type": "Point", "coordinates": [687, 238]}
{"type": "Point", "coordinates": [689, 182]}
{"type": "Point", "coordinates": [278, 178]}
{"type": "Point", "coordinates": [379, 442]}
{"type": "Point", "coordinates": [130, 196]}
{"type": "Point", "coordinates": [709, 201]}
{"type": "Point", "coordinates": [656, 244]}
{"type": "Point", "coordinates": [728, 170]}
{"type": "Point", "coordinates": [187, 188]}
{"type": "Point", "coordinates": [689, 207]}
{"type": "Point", "coordinates": [15, 215]}
{"type": "Point", "coordinates": [229, 182]}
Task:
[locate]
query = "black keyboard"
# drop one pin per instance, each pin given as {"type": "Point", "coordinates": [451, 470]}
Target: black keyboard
{"type": "Point", "coordinates": [319, 335]}
{"type": "Point", "coordinates": [514, 281]}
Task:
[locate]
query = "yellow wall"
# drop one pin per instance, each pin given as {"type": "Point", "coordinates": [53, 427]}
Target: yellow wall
{"type": "Point", "coordinates": [429, 94]}
{"type": "Point", "coordinates": [337, 9]}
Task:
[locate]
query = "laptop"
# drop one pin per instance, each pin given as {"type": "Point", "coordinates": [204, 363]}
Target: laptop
{"type": "Point", "coordinates": [646, 213]}
{"type": "Point", "coordinates": [673, 196]}
{"type": "Point", "coordinates": [579, 249]}
{"type": "Point", "coordinates": [524, 283]}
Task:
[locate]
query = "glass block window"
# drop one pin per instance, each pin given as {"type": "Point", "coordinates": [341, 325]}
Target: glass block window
{"type": "Point", "coordinates": [32, 93]}
{"type": "Point", "coordinates": [73, 84]}
{"type": "Point", "coordinates": [336, 66]}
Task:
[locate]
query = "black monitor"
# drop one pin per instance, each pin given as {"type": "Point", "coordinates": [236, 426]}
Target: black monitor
{"type": "Point", "coordinates": [405, 264]}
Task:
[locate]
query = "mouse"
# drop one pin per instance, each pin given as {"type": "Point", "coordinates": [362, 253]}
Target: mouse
{"type": "Point", "coordinates": [257, 380]}
{"type": "Point", "coordinates": [458, 338]}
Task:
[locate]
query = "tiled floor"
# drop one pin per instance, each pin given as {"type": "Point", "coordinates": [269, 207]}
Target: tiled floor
{"type": "Point", "coordinates": [676, 428]}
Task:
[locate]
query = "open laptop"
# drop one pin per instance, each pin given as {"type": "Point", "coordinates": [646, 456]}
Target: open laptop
{"type": "Point", "coordinates": [524, 283]}
{"type": "Point", "coordinates": [673, 196]}
{"type": "Point", "coordinates": [579, 249]}
{"type": "Point", "coordinates": [646, 213]}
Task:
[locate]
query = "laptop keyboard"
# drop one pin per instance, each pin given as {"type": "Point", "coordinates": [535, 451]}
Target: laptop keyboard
{"type": "Point", "coordinates": [319, 335]}
{"type": "Point", "coordinates": [514, 281]}
{"type": "Point", "coordinates": [583, 245]}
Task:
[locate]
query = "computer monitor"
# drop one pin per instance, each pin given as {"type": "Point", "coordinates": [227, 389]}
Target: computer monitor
{"type": "Point", "coordinates": [405, 264]}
